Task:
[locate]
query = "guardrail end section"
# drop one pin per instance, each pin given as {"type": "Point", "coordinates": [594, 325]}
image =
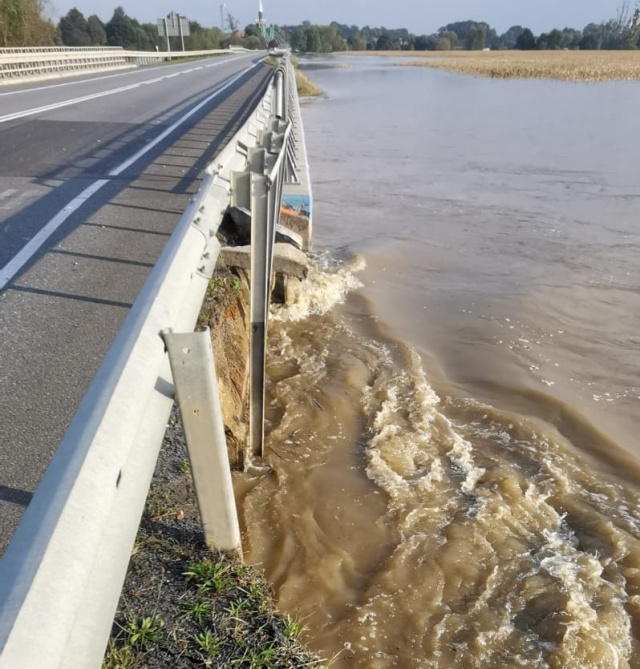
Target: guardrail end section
{"type": "Point", "coordinates": [198, 399]}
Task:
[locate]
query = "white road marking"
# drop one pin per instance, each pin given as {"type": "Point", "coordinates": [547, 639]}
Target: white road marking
{"type": "Point", "coordinates": [9, 271]}
{"type": "Point", "coordinates": [93, 96]}
{"type": "Point", "coordinates": [107, 76]}
{"type": "Point", "coordinates": [7, 193]}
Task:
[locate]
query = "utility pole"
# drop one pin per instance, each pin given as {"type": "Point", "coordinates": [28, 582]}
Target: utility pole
{"type": "Point", "coordinates": [223, 6]}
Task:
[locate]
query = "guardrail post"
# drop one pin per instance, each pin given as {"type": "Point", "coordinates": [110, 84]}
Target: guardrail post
{"type": "Point", "coordinates": [194, 377]}
{"type": "Point", "coordinates": [280, 93]}
{"type": "Point", "coordinates": [260, 280]}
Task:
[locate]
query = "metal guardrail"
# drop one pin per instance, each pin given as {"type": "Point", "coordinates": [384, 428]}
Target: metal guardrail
{"type": "Point", "coordinates": [56, 49]}
{"type": "Point", "coordinates": [61, 576]}
{"type": "Point", "coordinates": [38, 63]}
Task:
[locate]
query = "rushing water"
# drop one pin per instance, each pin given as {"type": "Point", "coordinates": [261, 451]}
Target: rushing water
{"type": "Point", "coordinates": [453, 402]}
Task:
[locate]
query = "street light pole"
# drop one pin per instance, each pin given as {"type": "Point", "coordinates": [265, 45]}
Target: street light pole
{"type": "Point", "coordinates": [222, 6]}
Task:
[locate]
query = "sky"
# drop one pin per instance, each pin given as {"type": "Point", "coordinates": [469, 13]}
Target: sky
{"type": "Point", "coordinates": [419, 16]}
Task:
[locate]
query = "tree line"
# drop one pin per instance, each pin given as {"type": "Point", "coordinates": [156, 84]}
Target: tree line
{"type": "Point", "coordinates": [23, 23]}
{"type": "Point", "coordinates": [621, 32]}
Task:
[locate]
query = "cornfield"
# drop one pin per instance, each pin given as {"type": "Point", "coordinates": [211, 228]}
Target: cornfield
{"type": "Point", "coordinates": [565, 65]}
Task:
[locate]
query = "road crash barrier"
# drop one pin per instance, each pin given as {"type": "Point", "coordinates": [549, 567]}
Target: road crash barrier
{"type": "Point", "coordinates": [23, 65]}
{"type": "Point", "coordinates": [62, 574]}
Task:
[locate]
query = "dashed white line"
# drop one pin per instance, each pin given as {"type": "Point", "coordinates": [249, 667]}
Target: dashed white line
{"type": "Point", "coordinates": [9, 271]}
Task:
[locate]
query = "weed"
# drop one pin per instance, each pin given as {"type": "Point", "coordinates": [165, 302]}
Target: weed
{"type": "Point", "coordinates": [292, 627]}
{"type": "Point", "coordinates": [235, 284]}
{"type": "Point", "coordinates": [203, 320]}
{"type": "Point", "coordinates": [198, 610]}
{"type": "Point", "coordinates": [217, 284]}
{"type": "Point", "coordinates": [255, 593]}
{"type": "Point", "coordinates": [257, 658]}
{"type": "Point", "coordinates": [118, 657]}
{"type": "Point", "coordinates": [142, 632]}
{"type": "Point", "coordinates": [209, 576]}
{"type": "Point", "coordinates": [208, 643]}
{"type": "Point", "coordinates": [237, 607]}
{"type": "Point", "coordinates": [306, 87]}
{"type": "Point", "coordinates": [185, 467]}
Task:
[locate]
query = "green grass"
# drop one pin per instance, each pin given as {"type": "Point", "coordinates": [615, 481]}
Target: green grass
{"type": "Point", "coordinates": [143, 632]}
{"type": "Point", "coordinates": [208, 642]}
{"type": "Point", "coordinates": [209, 576]}
{"type": "Point", "coordinates": [292, 627]}
{"type": "Point", "coordinates": [183, 606]}
{"type": "Point", "coordinates": [199, 611]}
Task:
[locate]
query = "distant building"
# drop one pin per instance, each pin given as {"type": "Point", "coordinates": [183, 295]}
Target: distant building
{"type": "Point", "coordinates": [262, 24]}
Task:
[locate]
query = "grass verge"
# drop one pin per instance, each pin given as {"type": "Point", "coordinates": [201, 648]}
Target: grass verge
{"type": "Point", "coordinates": [182, 607]}
{"type": "Point", "coordinates": [306, 87]}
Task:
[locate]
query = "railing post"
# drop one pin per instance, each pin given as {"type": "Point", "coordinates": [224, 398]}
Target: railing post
{"type": "Point", "coordinates": [260, 279]}
{"type": "Point", "coordinates": [280, 95]}
{"type": "Point", "coordinates": [198, 399]}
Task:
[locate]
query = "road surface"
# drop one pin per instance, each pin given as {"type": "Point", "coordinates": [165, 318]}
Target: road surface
{"type": "Point", "coordinates": [95, 173]}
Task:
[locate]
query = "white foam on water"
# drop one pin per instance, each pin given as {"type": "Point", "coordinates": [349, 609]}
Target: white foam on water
{"type": "Point", "coordinates": [325, 286]}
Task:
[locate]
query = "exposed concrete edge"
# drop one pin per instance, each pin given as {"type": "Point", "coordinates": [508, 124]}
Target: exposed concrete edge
{"type": "Point", "coordinates": [286, 259]}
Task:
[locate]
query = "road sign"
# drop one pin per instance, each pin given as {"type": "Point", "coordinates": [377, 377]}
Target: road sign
{"type": "Point", "coordinates": [173, 25]}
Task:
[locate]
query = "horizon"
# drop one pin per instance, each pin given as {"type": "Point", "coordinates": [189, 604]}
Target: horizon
{"type": "Point", "coordinates": [414, 15]}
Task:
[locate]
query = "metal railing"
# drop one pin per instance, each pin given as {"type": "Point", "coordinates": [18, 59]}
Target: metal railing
{"type": "Point", "coordinates": [63, 571]}
{"type": "Point", "coordinates": [38, 63]}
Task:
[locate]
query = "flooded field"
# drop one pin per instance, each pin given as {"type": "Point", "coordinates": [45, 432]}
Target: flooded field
{"type": "Point", "coordinates": [453, 406]}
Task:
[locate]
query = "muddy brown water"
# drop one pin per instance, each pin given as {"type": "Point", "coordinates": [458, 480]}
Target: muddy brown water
{"type": "Point", "coordinates": [453, 405]}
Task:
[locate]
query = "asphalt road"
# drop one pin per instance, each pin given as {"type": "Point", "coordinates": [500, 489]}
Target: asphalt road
{"type": "Point", "coordinates": [94, 175]}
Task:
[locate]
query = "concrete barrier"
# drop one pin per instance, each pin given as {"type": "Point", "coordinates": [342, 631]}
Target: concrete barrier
{"type": "Point", "coordinates": [39, 64]}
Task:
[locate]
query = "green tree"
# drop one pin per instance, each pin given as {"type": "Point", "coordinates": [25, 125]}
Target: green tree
{"type": "Point", "coordinates": [357, 42]}
{"type": "Point", "coordinates": [96, 31]}
{"type": "Point", "coordinates": [120, 30]}
{"type": "Point", "coordinates": [451, 36]}
{"type": "Point", "coordinates": [22, 24]}
{"type": "Point", "coordinates": [331, 39]}
{"type": "Point", "coordinates": [476, 39]}
{"type": "Point", "coordinates": [314, 40]}
{"type": "Point", "coordinates": [554, 40]}
{"type": "Point", "coordinates": [298, 40]}
{"type": "Point", "coordinates": [591, 37]}
{"type": "Point", "coordinates": [526, 41]}
{"type": "Point", "coordinates": [508, 40]}
{"type": "Point", "coordinates": [202, 39]}
{"type": "Point", "coordinates": [571, 38]}
{"type": "Point", "coordinates": [421, 43]}
{"type": "Point", "coordinates": [147, 38]}
{"type": "Point", "coordinates": [384, 42]}
{"type": "Point", "coordinates": [74, 29]}
{"type": "Point", "coordinates": [463, 29]}
{"type": "Point", "coordinates": [251, 30]}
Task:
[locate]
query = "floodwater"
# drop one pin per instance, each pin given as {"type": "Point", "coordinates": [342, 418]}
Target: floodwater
{"type": "Point", "coordinates": [454, 400]}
